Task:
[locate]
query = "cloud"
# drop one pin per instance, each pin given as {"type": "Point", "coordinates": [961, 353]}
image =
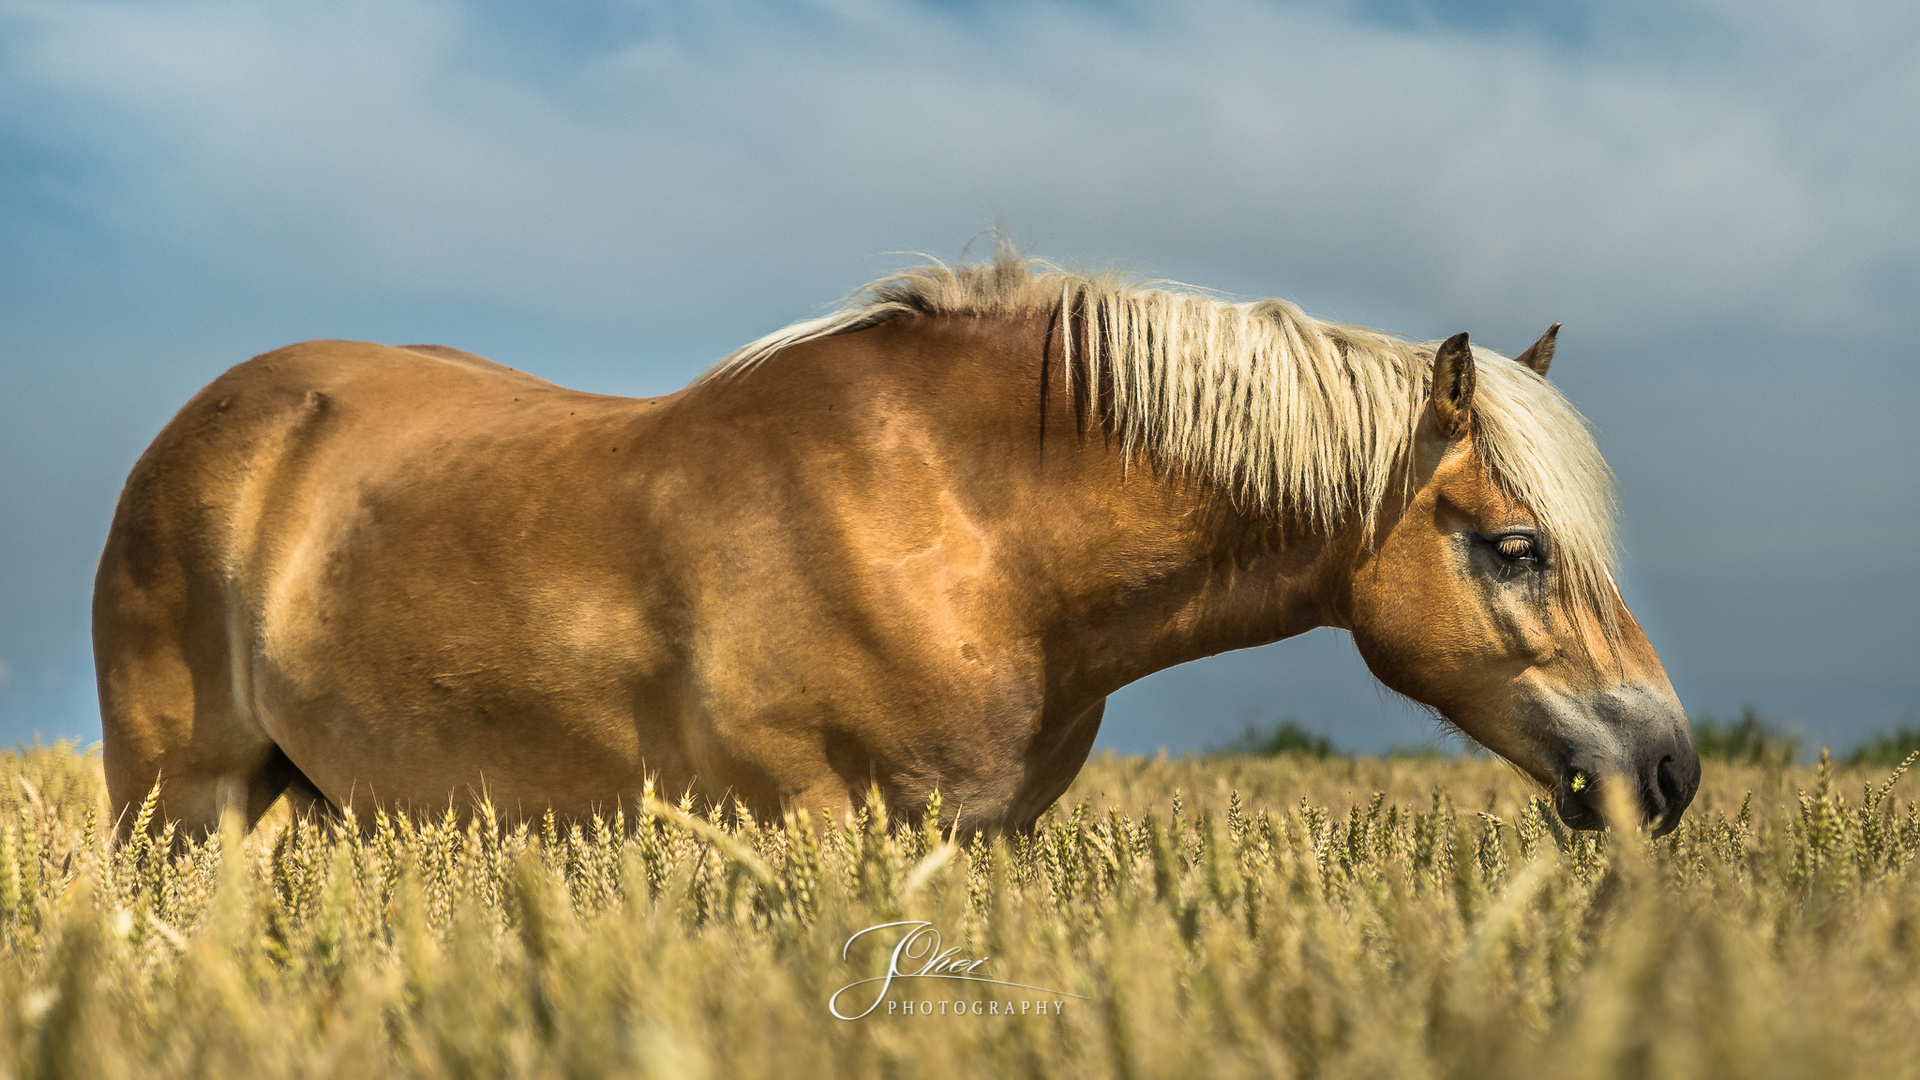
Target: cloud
{"type": "Point", "coordinates": [402, 146]}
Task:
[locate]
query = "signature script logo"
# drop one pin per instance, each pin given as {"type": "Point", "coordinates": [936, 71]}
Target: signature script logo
{"type": "Point", "coordinates": [917, 954]}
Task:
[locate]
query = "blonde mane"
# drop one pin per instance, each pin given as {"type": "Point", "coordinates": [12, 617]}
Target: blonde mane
{"type": "Point", "coordinates": [1287, 413]}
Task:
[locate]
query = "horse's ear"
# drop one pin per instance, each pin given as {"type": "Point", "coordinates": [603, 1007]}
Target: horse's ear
{"type": "Point", "coordinates": [1453, 385]}
{"type": "Point", "coordinates": [1539, 355]}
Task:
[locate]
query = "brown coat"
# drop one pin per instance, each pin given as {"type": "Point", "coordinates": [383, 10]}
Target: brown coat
{"type": "Point", "coordinates": [898, 556]}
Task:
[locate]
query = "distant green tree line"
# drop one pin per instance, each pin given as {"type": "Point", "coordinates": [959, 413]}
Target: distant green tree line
{"type": "Point", "coordinates": [1751, 738]}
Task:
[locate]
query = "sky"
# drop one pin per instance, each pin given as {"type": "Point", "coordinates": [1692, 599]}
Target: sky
{"type": "Point", "coordinates": [1717, 199]}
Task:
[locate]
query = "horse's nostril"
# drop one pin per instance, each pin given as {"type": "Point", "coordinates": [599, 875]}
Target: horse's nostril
{"type": "Point", "coordinates": [1670, 792]}
{"type": "Point", "coordinates": [1673, 797]}
{"type": "Point", "coordinates": [1576, 799]}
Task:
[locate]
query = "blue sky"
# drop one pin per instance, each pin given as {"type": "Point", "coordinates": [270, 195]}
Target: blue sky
{"type": "Point", "coordinates": [1717, 199]}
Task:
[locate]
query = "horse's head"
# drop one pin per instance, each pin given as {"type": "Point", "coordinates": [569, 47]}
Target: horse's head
{"type": "Point", "coordinates": [1469, 602]}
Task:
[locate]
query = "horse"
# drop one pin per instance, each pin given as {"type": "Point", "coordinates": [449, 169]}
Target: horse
{"type": "Point", "coordinates": [907, 547]}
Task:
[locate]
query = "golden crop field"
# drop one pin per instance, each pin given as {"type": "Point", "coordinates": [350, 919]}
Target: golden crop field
{"type": "Point", "coordinates": [1213, 917]}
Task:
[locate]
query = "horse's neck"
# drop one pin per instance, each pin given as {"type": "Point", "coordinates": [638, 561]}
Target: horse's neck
{"type": "Point", "coordinates": [1241, 582]}
{"type": "Point", "coordinates": [1141, 571]}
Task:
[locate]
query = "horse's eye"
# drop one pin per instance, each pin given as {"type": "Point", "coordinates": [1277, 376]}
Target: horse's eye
{"type": "Point", "coordinates": [1517, 548]}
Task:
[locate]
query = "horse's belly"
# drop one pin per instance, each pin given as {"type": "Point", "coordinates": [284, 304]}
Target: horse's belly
{"type": "Point", "coordinates": [402, 680]}
{"type": "Point", "coordinates": [381, 743]}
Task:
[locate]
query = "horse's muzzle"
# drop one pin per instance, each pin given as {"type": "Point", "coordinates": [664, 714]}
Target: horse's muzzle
{"type": "Point", "coordinates": [1659, 776]}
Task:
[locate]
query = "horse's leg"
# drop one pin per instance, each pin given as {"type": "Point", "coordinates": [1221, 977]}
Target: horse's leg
{"type": "Point", "coordinates": [827, 802]}
{"type": "Point", "coordinates": [1054, 767]}
{"type": "Point", "coordinates": [204, 767]}
{"type": "Point", "coordinates": [198, 783]}
{"type": "Point", "coordinates": [305, 802]}
{"type": "Point", "coordinates": [167, 708]}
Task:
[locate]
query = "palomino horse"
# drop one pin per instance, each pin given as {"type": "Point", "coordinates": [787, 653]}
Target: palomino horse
{"type": "Point", "coordinates": [912, 545]}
